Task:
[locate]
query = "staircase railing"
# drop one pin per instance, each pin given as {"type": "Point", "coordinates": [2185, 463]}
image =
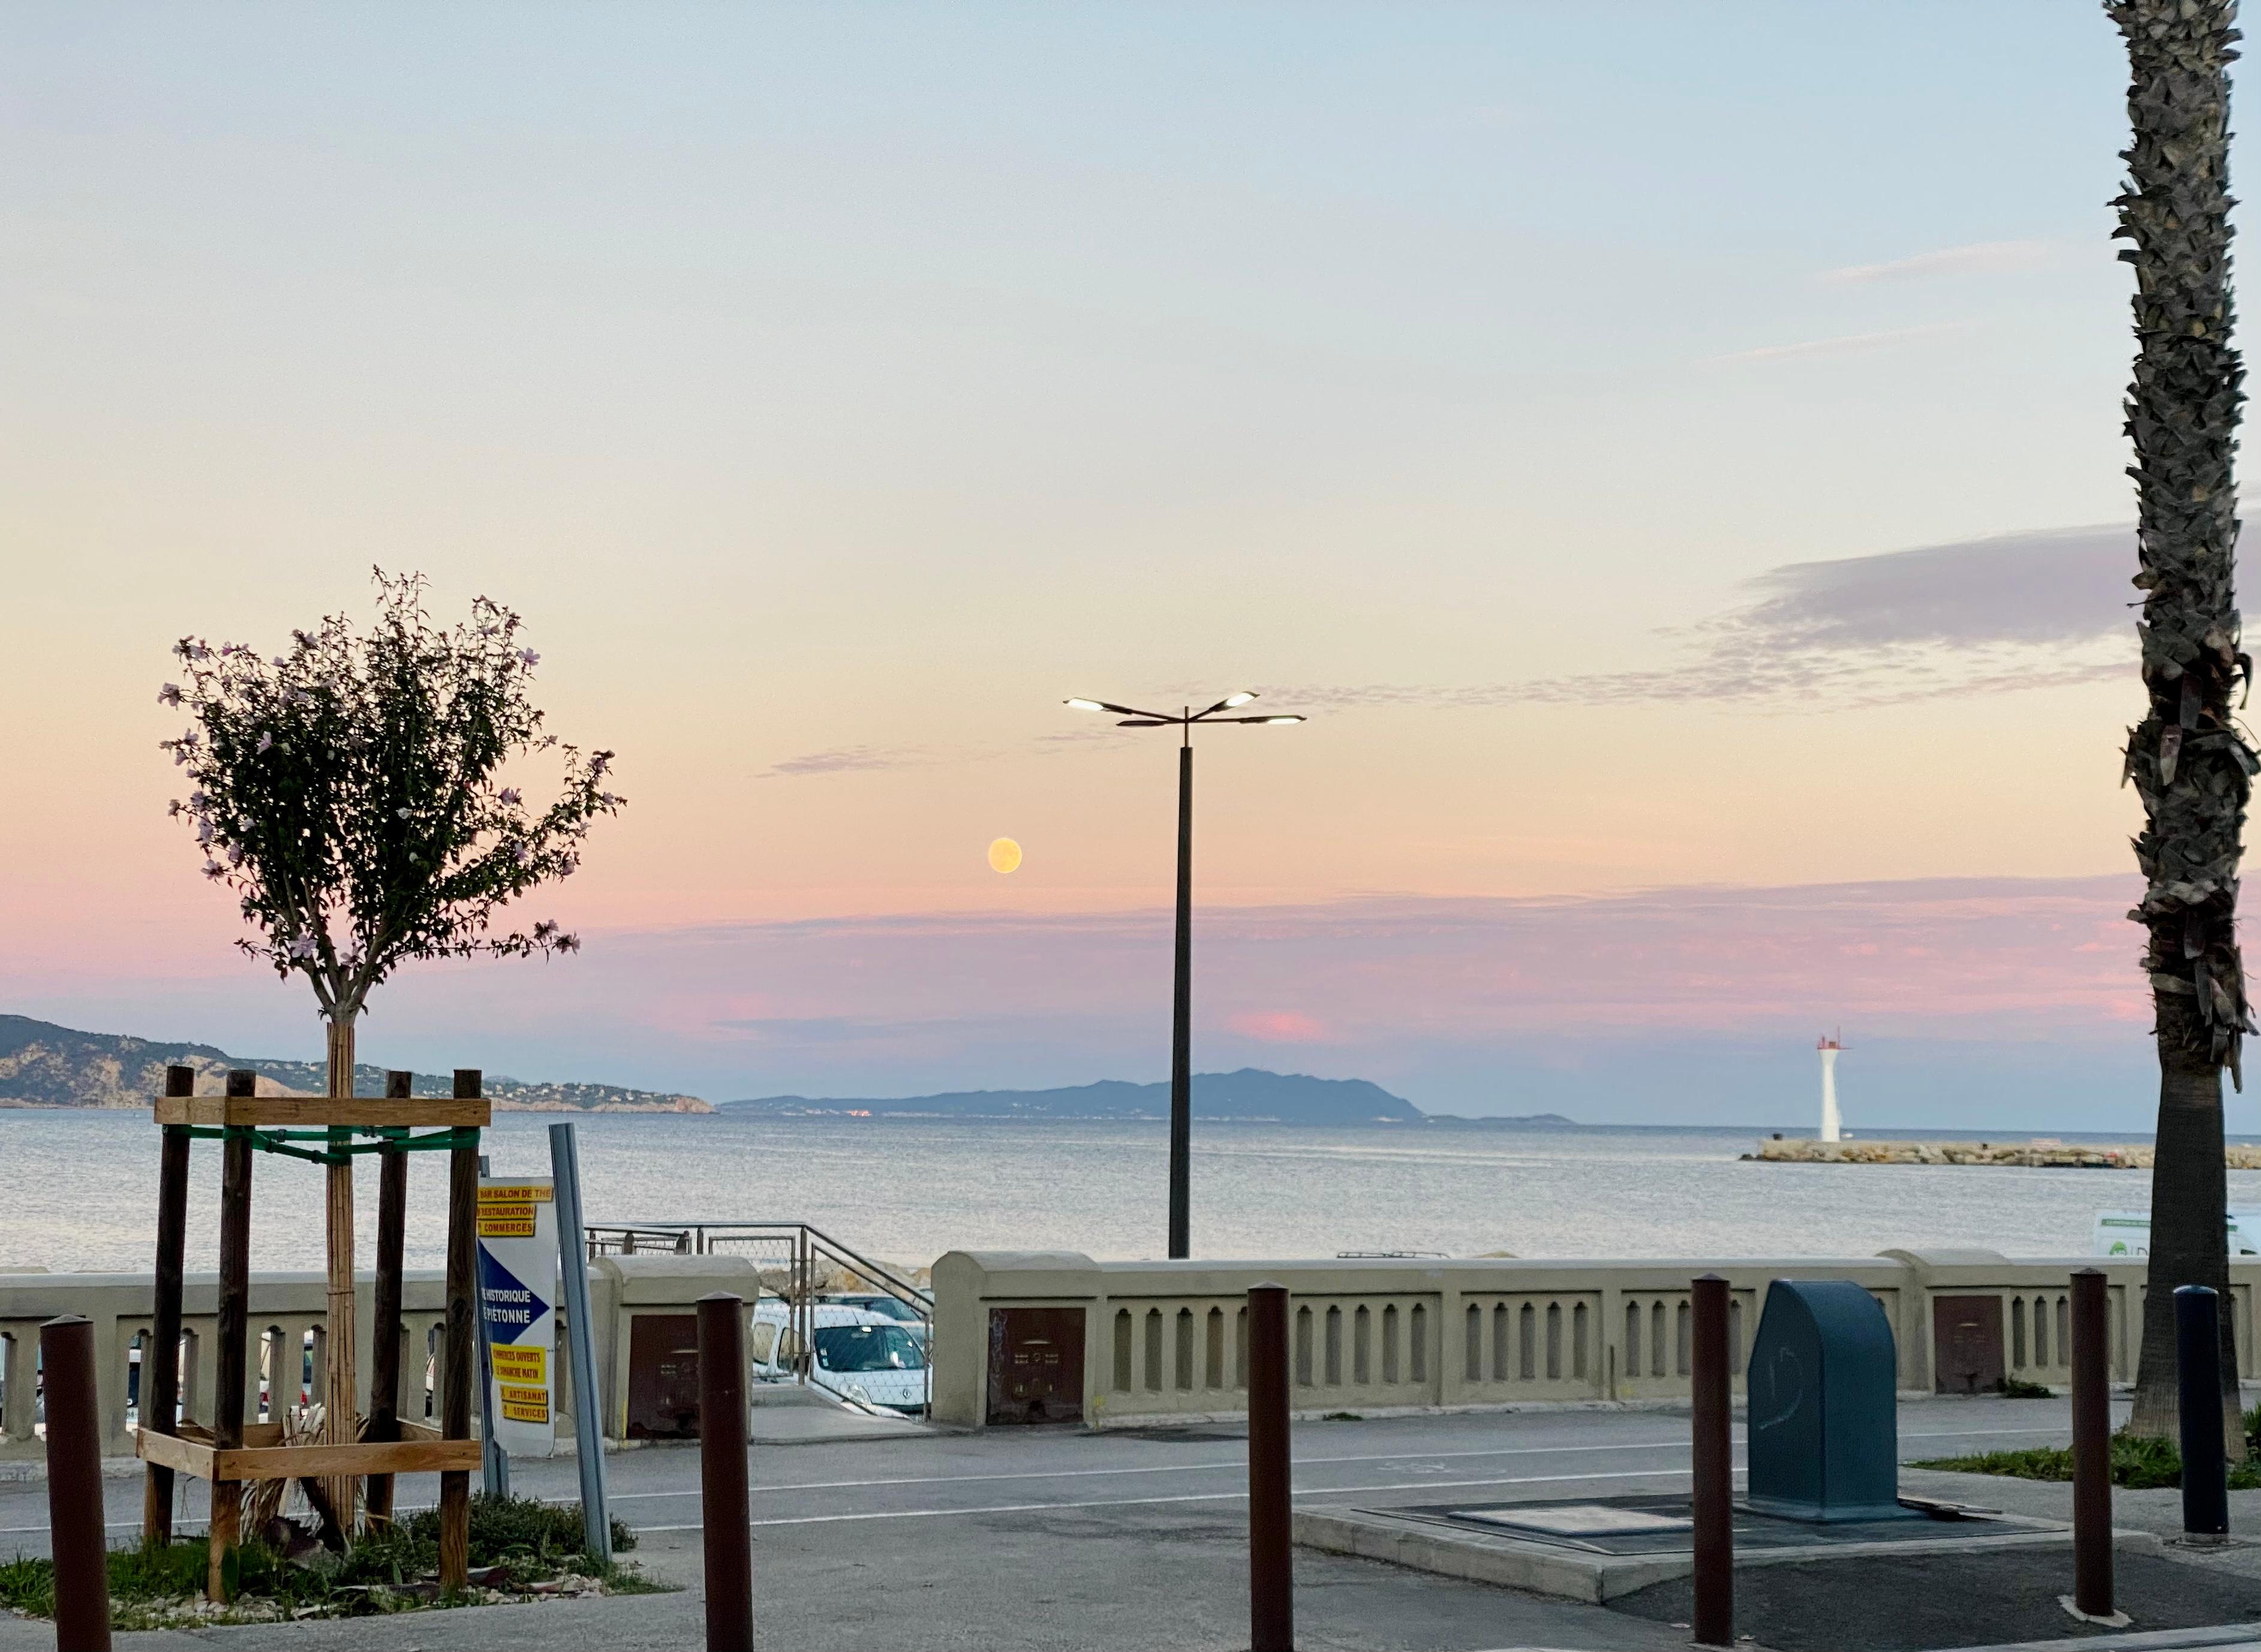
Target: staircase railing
{"type": "Point", "coordinates": [814, 1264]}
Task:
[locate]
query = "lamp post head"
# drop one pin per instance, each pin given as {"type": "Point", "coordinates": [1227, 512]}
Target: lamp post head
{"type": "Point", "coordinates": [1132, 717]}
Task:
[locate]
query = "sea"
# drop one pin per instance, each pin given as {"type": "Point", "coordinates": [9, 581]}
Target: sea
{"type": "Point", "coordinates": [78, 1190]}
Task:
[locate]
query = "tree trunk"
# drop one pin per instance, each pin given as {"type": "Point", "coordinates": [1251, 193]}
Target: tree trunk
{"type": "Point", "coordinates": [2190, 1189]}
{"type": "Point", "coordinates": [342, 1423]}
{"type": "Point", "coordinates": [2189, 761]}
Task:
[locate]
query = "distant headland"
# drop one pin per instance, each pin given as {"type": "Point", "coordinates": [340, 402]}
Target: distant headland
{"type": "Point", "coordinates": [43, 1064]}
{"type": "Point", "coordinates": [1250, 1095]}
{"type": "Point", "coordinates": [46, 1066]}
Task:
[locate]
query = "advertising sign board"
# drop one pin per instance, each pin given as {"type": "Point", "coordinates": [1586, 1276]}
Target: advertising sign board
{"type": "Point", "coordinates": [518, 1297]}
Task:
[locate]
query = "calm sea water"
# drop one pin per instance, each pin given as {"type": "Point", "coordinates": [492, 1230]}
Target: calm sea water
{"type": "Point", "coordinates": [78, 1190]}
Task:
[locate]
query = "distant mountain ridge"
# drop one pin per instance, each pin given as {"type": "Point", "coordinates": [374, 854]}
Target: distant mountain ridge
{"type": "Point", "coordinates": [1250, 1094]}
{"type": "Point", "coordinates": [43, 1064]}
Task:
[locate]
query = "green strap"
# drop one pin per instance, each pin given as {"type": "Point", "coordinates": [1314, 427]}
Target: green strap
{"type": "Point", "coordinates": [338, 1146]}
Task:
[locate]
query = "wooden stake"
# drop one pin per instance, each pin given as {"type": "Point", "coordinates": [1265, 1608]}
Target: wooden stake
{"type": "Point", "coordinates": [385, 1332]}
{"type": "Point", "coordinates": [160, 1355]}
{"type": "Point", "coordinates": [232, 1331]}
{"type": "Point", "coordinates": [340, 1395]}
{"type": "Point", "coordinates": [455, 1391]}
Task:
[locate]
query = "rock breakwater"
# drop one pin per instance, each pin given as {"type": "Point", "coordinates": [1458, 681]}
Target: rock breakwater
{"type": "Point", "coordinates": [2043, 1154]}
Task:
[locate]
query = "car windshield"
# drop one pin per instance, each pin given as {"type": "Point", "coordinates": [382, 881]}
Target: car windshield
{"type": "Point", "coordinates": [892, 1307]}
{"type": "Point", "coordinates": [867, 1349]}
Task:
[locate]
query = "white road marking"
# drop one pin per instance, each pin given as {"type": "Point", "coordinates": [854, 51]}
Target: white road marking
{"type": "Point", "coordinates": [1241, 1463]}
{"type": "Point", "coordinates": [1182, 1467]}
{"type": "Point", "coordinates": [1197, 1497]}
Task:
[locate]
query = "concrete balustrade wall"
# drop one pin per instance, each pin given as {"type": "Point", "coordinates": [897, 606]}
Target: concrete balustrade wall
{"type": "Point", "coordinates": [1165, 1340]}
{"type": "Point", "coordinates": [285, 1307]}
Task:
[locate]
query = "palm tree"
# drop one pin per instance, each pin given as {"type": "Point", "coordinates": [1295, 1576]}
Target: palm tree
{"type": "Point", "coordinates": [2190, 765]}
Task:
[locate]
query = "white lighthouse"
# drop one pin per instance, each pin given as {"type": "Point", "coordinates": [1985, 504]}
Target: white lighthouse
{"type": "Point", "coordinates": [1833, 1122]}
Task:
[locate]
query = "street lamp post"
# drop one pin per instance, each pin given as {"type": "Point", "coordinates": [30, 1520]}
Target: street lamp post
{"type": "Point", "coordinates": [1181, 1005]}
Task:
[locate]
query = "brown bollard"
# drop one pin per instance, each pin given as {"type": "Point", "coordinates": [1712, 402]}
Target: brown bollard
{"type": "Point", "coordinates": [384, 1338]}
{"type": "Point", "coordinates": [1271, 1554]}
{"type": "Point", "coordinates": [460, 1369]}
{"type": "Point", "coordinates": [1711, 1382]}
{"type": "Point", "coordinates": [231, 1339]}
{"type": "Point", "coordinates": [2091, 1447]}
{"type": "Point", "coordinates": [161, 1354]}
{"type": "Point", "coordinates": [75, 1486]}
{"type": "Point", "coordinates": [725, 1510]}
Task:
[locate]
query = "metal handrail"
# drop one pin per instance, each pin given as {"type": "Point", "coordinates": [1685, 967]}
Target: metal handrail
{"type": "Point", "coordinates": [808, 1244]}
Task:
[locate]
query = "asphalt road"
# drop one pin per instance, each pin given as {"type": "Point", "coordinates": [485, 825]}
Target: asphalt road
{"type": "Point", "coordinates": [1060, 1538]}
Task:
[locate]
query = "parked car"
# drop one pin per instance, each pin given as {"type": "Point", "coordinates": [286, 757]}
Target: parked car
{"type": "Point", "coordinates": [894, 1307]}
{"type": "Point", "coordinates": [871, 1358]}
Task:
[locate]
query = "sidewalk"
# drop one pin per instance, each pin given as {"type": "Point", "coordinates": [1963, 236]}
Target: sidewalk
{"type": "Point", "coordinates": [1048, 1540]}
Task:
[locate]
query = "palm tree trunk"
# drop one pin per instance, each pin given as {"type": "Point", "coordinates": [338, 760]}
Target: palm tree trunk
{"type": "Point", "coordinates": [340, 1399]}
{"type": "Point", "coordinates": [2189, 764]}
{"type": "Point", "coordinates": [2188, 1247]}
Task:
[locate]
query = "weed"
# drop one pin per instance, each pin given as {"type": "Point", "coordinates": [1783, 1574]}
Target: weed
{"type": "Point", "coordinates": [2137, 1462]}
{"type": "Point", "coordinates": [387, 1570]}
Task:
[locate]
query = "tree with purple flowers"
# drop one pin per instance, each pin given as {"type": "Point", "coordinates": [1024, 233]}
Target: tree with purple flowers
{"type": "Point", "coordinates": [349, 791]}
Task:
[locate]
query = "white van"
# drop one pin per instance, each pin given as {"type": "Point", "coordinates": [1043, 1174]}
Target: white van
{"type": "Point", "coordinates": [870, 1358]}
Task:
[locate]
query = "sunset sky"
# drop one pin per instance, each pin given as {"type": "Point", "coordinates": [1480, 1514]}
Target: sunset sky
{"type": "Point", "coordinates": [1676, 460]}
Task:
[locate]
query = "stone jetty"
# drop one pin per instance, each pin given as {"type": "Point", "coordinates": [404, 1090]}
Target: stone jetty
{"type": "Point", "coordinates": [2041, 1154]}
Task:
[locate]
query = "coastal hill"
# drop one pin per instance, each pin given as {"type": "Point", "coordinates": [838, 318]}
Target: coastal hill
{"type": "Point", "coordinates": [42, 1065]}
{"type": "Point", "coordinates": [1250, 1095]}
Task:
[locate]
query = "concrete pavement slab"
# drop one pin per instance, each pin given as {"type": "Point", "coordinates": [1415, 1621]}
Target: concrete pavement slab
{"type": "Point", "coordinates": [1929, 1602]}
{"type": "Point", "coordinates": [1059, 1539]}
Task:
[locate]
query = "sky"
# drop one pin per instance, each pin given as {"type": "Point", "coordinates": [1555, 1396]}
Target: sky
{"type": "Point", "coordinates": [1673, 456]}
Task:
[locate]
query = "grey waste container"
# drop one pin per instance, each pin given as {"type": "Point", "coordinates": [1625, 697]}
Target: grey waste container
{"type": "Point", "coordinates": [1824, 1433]}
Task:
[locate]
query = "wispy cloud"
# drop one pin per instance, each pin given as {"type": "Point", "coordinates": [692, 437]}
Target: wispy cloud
{"type": "Point", "coordinates": [874, 758]}
{"type": "Point", "coordinates": [859, 1030]}
{"type": "Point", "coordinates": [1844, 344]}
{"type": "Point", "coordinates": [848, 760]}
{"type": "Point", "coordinates": [2034, 610]}
{"type": "Point", "coordinates": [1981, 257]}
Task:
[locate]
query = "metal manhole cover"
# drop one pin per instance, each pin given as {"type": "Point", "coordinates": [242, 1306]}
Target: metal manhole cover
{"type": "Point", "coordinates": [1575, 1520]}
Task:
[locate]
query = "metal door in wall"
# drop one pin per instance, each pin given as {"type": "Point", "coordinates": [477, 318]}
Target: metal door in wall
{"type": "Point", "coordinates": [664, 1376]}
{"type": "Point", "coordinates": [1036, 1365]}
{"type": "Point", "coordinates": [1966, 1340]}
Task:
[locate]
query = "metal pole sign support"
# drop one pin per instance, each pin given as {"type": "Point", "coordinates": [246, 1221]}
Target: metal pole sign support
{"type": "Point", "coordinates": [573, 1274]}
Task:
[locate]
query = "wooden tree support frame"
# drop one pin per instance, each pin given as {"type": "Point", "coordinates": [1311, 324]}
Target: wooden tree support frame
{"type": "Point", "coordinates": [233, 1453]}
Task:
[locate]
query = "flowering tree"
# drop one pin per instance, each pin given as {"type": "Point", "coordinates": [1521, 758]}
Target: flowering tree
{"type": "Point", "coordinates": [349, 792]}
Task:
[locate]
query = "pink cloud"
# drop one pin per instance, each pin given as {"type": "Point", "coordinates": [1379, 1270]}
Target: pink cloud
{"type": "Point", "coordinates": [1461, 989]}
{"type": "Point", "coordinates": [1276, 1026]}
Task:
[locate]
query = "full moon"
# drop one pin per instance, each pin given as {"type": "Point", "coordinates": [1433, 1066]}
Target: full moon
{"type": "Point", "coordinates": [1004, 855]}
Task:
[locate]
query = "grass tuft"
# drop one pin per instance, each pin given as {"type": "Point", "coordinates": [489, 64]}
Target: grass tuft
{"type": "Point", "coordinates": [2138, 1464]}
{"type": "Point", "coordinates": [388, 1570]}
